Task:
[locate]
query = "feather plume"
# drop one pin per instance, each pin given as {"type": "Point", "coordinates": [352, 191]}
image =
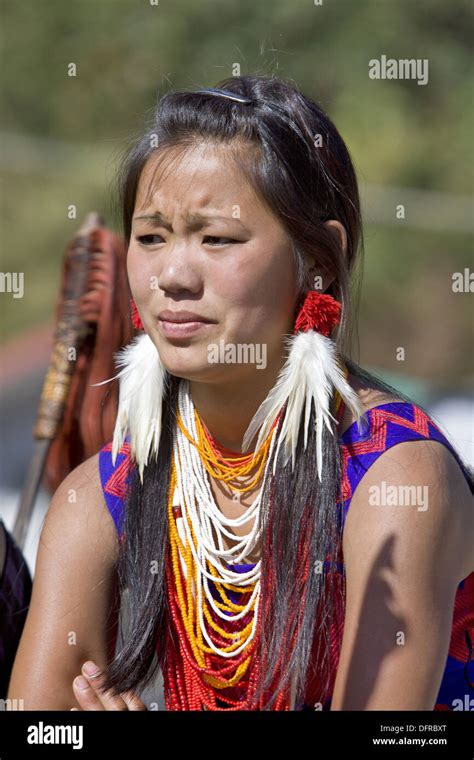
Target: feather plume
{"type": "Point", "coordinates": [142, 380]}
{"type": "Point", "coordinates": [309, 375]}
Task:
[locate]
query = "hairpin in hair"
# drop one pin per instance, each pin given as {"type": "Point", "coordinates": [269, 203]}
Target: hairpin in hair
{"type": "Point", "coordinates": [225, 94]}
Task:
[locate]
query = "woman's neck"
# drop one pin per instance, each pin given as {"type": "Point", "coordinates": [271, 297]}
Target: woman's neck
{"type": "Point", "coordinates": [226, 409]}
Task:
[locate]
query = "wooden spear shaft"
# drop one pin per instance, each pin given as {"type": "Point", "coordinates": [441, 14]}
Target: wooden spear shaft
{"type": "Point", "coordinates": [69, 335]}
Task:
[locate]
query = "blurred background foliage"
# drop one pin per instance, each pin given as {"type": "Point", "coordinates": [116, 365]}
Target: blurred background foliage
{"type": "Point", "coordinates": [411, 144]}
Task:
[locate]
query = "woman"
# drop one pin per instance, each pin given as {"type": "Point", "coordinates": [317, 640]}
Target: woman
{"type": "Point", "coordinates": [244, 433]}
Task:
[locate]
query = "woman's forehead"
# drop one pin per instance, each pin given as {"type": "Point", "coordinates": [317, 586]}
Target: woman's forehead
{"type": "Point", "coordinates": [200, 175]}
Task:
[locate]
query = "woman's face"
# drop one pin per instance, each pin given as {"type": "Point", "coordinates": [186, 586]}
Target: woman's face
{"type": "Point", "coordinates": [212, 248]}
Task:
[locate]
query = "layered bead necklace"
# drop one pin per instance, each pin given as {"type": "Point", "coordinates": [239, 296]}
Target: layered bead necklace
{"type": "Point", "coordinates": [213, 595]}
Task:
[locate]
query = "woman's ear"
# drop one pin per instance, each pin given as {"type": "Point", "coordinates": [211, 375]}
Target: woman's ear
{"type": "Point", "coordinates": [338, 229]}
{"type": "Point", "coordinates": [318, 278]}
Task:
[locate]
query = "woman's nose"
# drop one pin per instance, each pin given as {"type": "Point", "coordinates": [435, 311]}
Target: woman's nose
{"type": "Point", "coordinates": [180, 269]}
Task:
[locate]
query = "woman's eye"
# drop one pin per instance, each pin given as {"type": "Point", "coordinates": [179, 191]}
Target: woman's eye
{"type": "Point", "coordinates": [221, 239]}
{"type": "Point", "coordinates": [148, 239]}
{"type": "Point", "coordinates": [210, 239]}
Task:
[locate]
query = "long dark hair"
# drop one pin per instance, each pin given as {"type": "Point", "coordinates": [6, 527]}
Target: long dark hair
{"type": "Point", "coordinates": [296, 160]}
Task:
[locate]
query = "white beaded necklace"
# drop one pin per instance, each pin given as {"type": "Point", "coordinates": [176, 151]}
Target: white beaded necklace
{"type": "Point", "coordinates": [199, 510]}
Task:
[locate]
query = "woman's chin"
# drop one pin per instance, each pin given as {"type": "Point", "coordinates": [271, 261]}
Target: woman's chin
{"type": "Point", "coordinates": [190, 361]}
{"type": "Point", "coordinates": [192, 370]}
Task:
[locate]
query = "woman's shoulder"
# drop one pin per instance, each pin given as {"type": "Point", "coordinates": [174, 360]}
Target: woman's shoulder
{"type": "Point", "coordinates": [400, 468]}
{"type": "Point", "coordinates": [81, 489]}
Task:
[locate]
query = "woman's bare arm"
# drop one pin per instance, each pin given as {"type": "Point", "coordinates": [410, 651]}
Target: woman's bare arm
{"type": "Point", "coordinates": [71, 617]}
{"type": "Point", "coordinates": [403, 565]}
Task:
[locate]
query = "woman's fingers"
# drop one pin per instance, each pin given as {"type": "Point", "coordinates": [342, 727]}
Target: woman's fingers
{"type": "Point", "coordinates": [85, 695]}
{"type": "Point", "coordinates": [92, 697]}
{"type": "Point", "coordinates": [89, 694]}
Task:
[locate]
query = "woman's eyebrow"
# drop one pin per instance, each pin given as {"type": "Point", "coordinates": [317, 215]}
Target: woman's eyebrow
{"type": "Point", "coordinates": [194, 221]}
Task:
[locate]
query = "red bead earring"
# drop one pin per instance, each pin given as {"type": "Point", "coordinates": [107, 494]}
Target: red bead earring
{"type": "Point", "coordinates": [136, 319]}
{"type": "Point", "coordinates": [319, 312]}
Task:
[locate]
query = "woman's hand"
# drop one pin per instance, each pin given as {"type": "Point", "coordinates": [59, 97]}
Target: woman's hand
{"type": "Point", "coordinates": [87, 690]}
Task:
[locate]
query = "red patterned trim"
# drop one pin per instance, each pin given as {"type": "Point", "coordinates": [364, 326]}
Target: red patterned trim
{"type": "Point", "coordinates": [116, 484]}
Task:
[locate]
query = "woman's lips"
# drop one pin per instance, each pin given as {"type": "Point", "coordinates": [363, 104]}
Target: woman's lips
{"type": "Point", "coordinates": [182, 329]}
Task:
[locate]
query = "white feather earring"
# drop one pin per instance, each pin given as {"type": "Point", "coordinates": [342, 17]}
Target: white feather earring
{"type": "Point", "coordinates": [309, 375]}
{"type": "Point", "coordinates": [143, 380]}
